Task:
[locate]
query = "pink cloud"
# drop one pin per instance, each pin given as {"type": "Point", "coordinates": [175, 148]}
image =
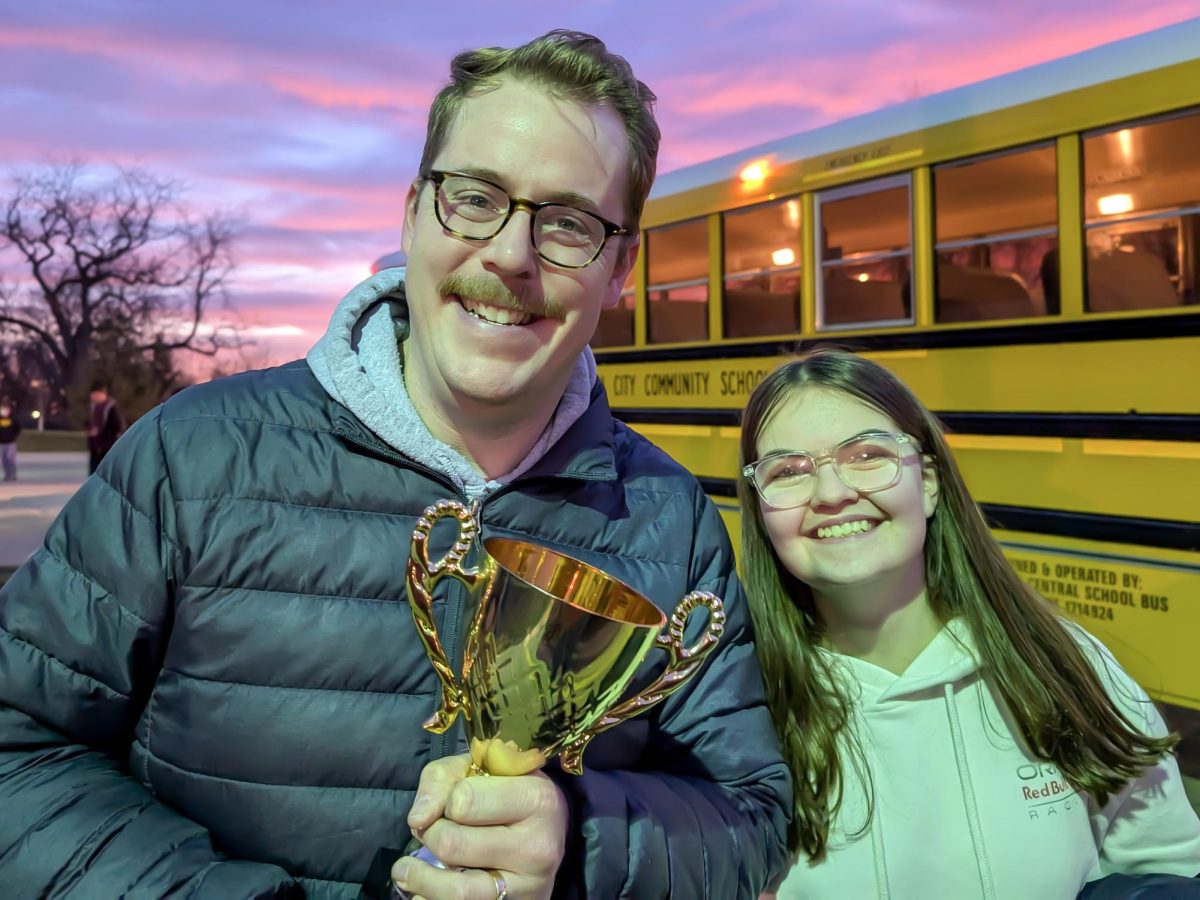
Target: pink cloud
{"type": "Point", "coordinates": [197, 60]}
{"type": "Point", "coordinates": [808, 90]}
{"type": "Point", "coordinates": [259, 77]}
{"type": "Point", "coordinates": [400, 98]}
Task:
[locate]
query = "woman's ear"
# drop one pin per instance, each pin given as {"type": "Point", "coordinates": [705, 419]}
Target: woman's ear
{"type": "Point", "coordinates": [930, 487]}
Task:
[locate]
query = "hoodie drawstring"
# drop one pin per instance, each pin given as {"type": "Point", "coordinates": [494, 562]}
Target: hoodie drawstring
{"type": "Point", "coordinates": [882, 888]}
{"type": "Point", "coordinates": [968, 792]}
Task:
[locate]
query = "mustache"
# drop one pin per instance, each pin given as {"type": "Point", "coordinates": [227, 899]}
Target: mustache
{"type": "Point", "coordinates": [493, 292]}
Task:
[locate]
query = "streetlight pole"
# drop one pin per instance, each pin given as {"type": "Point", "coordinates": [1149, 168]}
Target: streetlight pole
{"type": "Point", "coordinates": [37, 414]}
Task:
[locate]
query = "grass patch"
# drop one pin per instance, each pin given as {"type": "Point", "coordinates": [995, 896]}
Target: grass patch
{"type": "Point", "coordinates": [32, 441]}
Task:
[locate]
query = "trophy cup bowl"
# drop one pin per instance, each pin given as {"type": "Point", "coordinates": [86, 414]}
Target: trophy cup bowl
{"type": "Point", "coordinates": [551, 648]}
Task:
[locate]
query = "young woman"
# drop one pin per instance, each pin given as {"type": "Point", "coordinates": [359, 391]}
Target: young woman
{"type": "Point", "coordinates": [950, 734]}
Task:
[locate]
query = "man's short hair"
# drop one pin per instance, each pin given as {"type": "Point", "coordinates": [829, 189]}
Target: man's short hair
{"type": "Point", "coordinates": [570, 64]}
{"type": "Point", "coordinates": [98, 385]}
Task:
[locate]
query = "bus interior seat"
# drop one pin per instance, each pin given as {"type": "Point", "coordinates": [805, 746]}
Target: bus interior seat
{"type": "Point", "coordinates": [615, 328]}
{"type": "Point", "coordinates": [678, 320]}
{"type": "Point", "coordinates": [1119, 280]}
{"type": "Point", "coordinates": [967, 294]}
{"type": "Point", "coordinates": [848, 301]}
{"type": "Point", "coordinates": [750, 313]}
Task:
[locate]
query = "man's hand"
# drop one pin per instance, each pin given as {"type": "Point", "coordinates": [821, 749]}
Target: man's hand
{"type": "Point", "coordinates": [515, 825]}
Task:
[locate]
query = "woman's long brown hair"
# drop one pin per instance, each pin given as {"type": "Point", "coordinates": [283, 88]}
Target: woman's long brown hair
{"type": "Point", "coordinates": [1055, 696]}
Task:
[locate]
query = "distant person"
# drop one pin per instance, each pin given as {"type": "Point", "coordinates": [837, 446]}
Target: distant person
{"type": "Point", "coordinates": [10, 429]}
{"type": "Point", "coordinates": [104, 424]}
{"type": "Point", "coordinates": [950, 733]}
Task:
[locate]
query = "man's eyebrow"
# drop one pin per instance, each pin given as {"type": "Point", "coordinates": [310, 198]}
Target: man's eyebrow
{"type": "Point", "coordinates": [570, 198]}
{"type": "Point", "coordinates": [566, 198]}
{"type": "Point", "coordinates": [865, 433]}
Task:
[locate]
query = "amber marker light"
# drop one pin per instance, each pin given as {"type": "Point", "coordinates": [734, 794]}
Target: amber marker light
{"type": "Point", "coordinates": [754, 174]}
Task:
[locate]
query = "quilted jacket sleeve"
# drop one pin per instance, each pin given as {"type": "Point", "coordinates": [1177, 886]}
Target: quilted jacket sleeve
{"type": "Point", "coordinates": [705, 815]}
{"type": "Point", "coordinates": [83, 629]}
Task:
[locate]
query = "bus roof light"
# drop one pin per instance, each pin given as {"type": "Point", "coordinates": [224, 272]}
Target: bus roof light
{"type": "Point", "coordinates": [755, 173]}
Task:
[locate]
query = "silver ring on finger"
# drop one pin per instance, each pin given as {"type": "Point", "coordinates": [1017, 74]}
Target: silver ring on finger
{"type": "Point", "coordinates": [500, 883]}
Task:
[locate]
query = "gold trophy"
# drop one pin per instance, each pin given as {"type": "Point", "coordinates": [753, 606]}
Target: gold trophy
{"type": "Point", "coordinates": [551, 648]}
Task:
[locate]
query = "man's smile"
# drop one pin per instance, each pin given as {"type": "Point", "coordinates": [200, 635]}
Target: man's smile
{"type": "Point", "coordinates": [496, 315]}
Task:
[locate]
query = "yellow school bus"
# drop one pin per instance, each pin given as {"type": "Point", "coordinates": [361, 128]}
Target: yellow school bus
{"type": "Point", "coordinates": [1023, 253]}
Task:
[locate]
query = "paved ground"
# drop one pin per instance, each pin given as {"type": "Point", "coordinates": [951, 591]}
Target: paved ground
{"type": "Point", "coordinates": [29, 505]}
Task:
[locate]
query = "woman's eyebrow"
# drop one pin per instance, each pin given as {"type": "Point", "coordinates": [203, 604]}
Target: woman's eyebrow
{"type": "Point", "coordinates": [852, 437]}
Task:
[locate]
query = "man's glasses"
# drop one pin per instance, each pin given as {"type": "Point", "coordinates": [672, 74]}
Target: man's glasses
{"type": "Point", "coordinates": [865, 463]}
{"type": "Point", "coordinates": [475, 209]}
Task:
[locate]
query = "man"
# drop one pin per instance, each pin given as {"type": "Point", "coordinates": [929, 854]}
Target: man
{"type": "Point", "coordinates": [10, 430]}
{"type": "Point", "coordinates": [104, 424]}
{"type": "Point", "coordinates": [215, 686]}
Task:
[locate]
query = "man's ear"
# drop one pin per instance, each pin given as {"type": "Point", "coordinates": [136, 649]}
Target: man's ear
{"type": "Point", "coordinates": [410, 213]}
{"type": "Point", "coordinates": [930, 486]}
{"type": "Point", "coordinates": [627, 254]}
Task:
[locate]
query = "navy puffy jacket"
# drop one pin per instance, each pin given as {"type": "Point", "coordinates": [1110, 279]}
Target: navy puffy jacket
{"type": "Point", "coordinates": [211, 686]}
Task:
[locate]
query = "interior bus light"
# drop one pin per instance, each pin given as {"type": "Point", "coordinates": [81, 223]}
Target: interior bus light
{"type": "Point", "coordinates": [784, 256]}
{"type": "Point", "coordinates": [792, 212]}
{"type": "Point", "coordinates": [1115, 204]}
{"type": "Point", "coordinates": [864, 277]}
{"type": "Point", "coordinates": [1125, 140]}
{"type": "Point", "coordinates": [755, 173]}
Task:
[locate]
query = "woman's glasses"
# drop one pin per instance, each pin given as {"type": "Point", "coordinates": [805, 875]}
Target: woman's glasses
{"type": "Point", "coordinates": [864, 463]}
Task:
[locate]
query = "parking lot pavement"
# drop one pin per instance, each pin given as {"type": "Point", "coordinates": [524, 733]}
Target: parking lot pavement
{"type": "Point", "coordinates": [45, 481]}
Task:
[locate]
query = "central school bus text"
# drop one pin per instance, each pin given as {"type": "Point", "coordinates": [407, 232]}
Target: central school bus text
{"type": "Point", "coordinates": [1136, 609]}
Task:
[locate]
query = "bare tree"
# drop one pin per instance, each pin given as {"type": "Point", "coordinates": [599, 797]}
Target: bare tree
{"type": "Point", "coordinates": [23, 364]}
{"type": "Point", "coordinates": [110, 265]}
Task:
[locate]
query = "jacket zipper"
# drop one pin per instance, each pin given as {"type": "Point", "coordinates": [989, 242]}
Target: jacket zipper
{"type": "Point", "coordinates": [392, 455]}
{"type": "Point", "coordinates": [440, 745]}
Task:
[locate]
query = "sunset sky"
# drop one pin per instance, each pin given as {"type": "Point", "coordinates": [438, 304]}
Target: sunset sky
{"type": "Point", "coordinates": [306, 119]}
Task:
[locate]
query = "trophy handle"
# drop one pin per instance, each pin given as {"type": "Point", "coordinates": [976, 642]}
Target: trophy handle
{"type": "Point", "coordinates": [421, 578]}
{"type": "Point", "coordinates": [682, 665]}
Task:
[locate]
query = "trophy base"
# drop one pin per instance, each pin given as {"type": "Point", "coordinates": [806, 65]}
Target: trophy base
{"type": "Point", "coordinates": [425, 855]}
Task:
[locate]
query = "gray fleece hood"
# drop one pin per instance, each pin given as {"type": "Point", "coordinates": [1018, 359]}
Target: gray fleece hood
{"type": "Point", "coordinates": [359, 362]}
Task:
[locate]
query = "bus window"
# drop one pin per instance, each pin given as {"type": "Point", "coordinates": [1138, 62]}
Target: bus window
{"type": "Point", "coordinates": [677, 282]}
{"type": "Point", "coordinates": [615, 328]}
{"type": "Point", "coordinates": [866, 254]}
{"type": "Point", "coordinates": [1142, 208]}
{"type": "Point", "coordinates": [996, 230]}
{"type": "Point", "coordinates": [762, 269]}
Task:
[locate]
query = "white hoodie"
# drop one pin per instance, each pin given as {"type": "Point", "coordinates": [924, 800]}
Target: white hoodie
{"type": "Point", "coordinates": [962, 810]}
